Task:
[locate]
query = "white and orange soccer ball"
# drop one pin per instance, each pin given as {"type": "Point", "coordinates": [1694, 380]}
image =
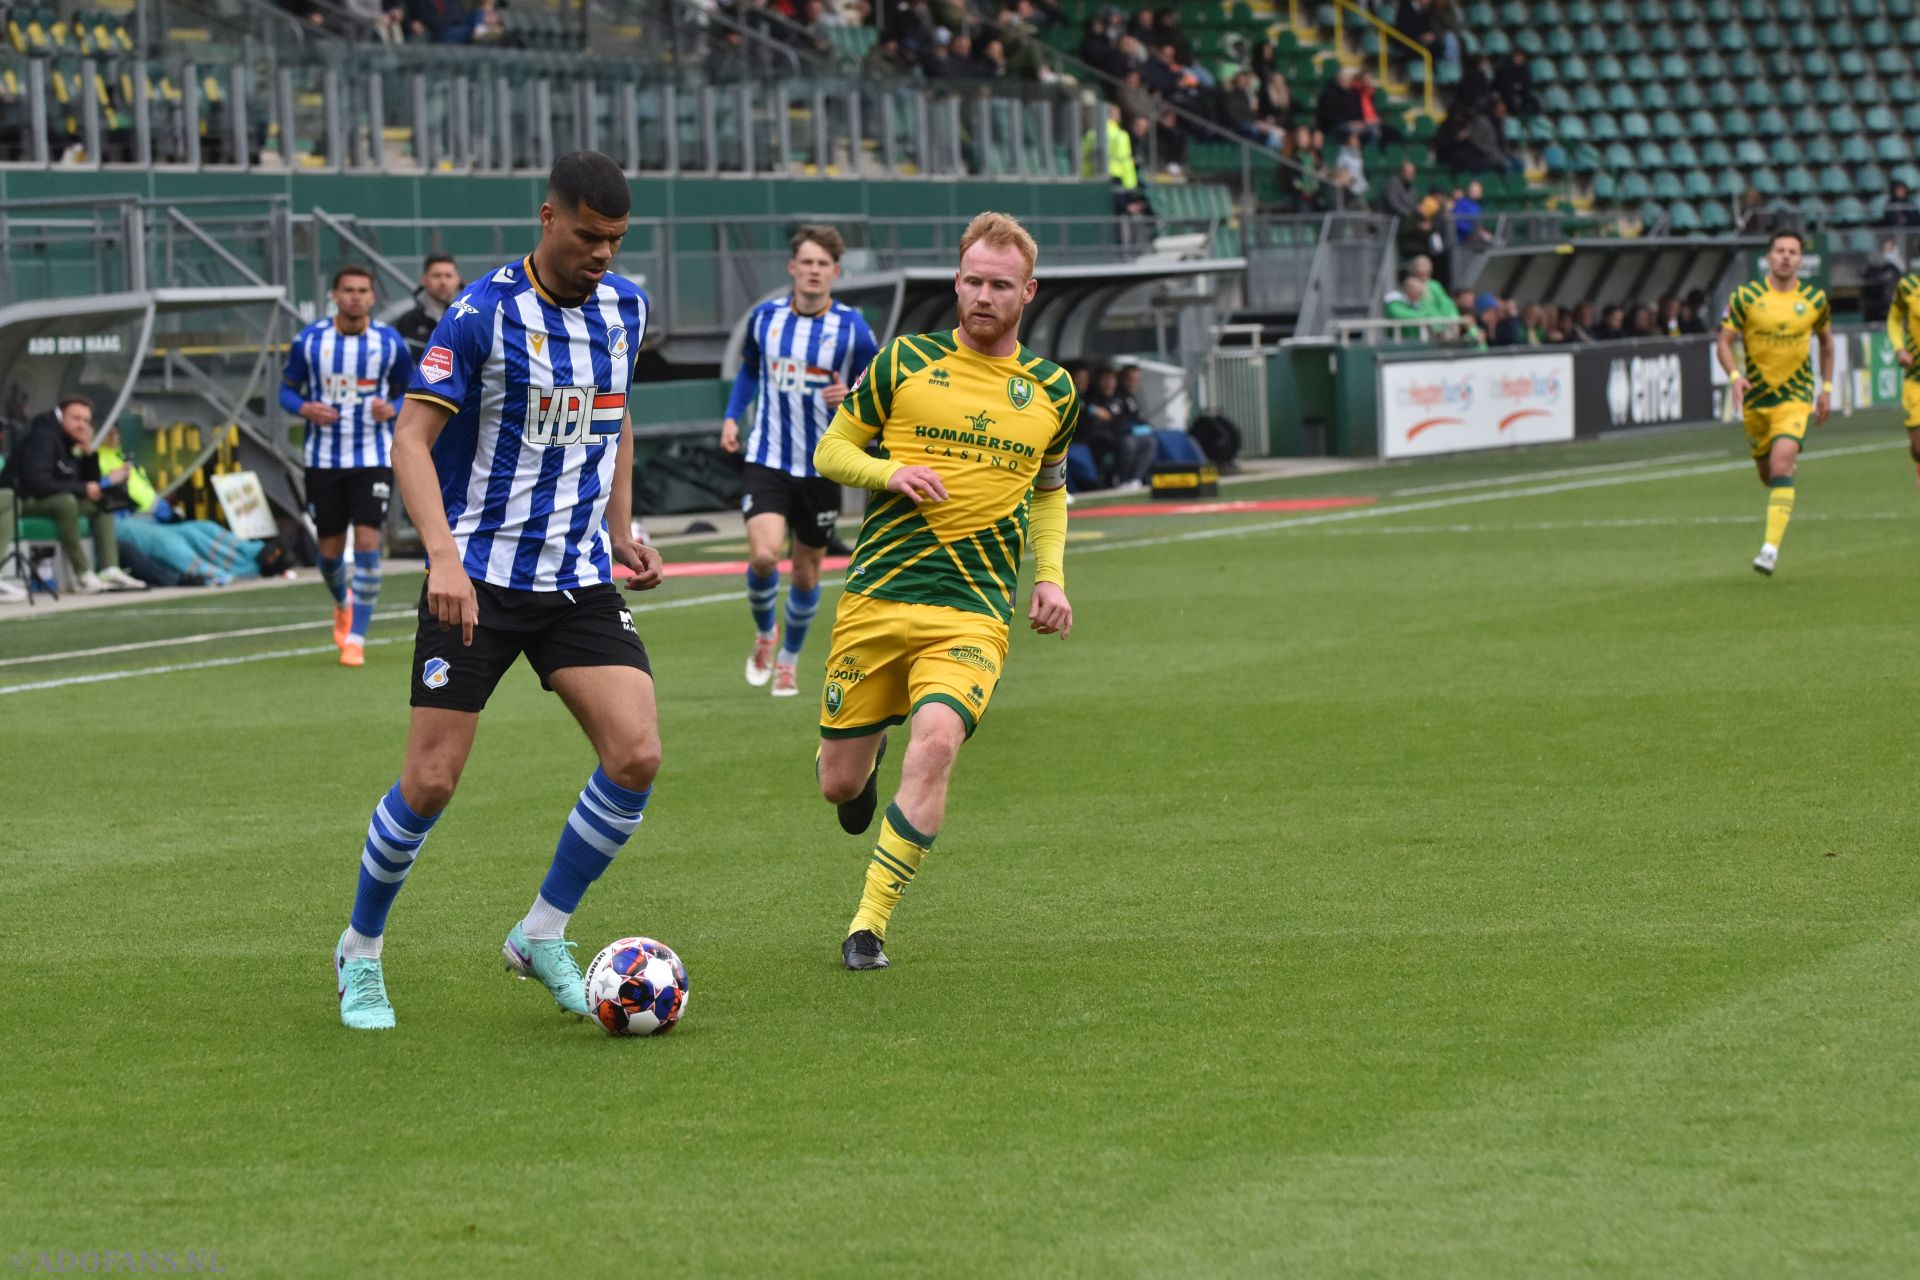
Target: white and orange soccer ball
{"type": "Point", "coordinates": [637, 987]}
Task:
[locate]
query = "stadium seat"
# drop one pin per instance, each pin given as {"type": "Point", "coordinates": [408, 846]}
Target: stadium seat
{"type": "Point", "coordinates": [1783, 150]}
{"type": "Point", "coordinates": [1682, 218]}
{"type": "Point", "coordinates": [1829, 92]}
{"type": "Point", "coordinates": [1748, 153]}
{"type": "Point", "coordinates": [1738, 123]}
{"type": "Point", "coordinates": [1556, 99]}
{"type": "Point", "coordinates": [1890, 149]}
{"type": "Point", "coordinates": [1758, 93]}
{"type": "Point", "coordinates": [1698, 40]}
{"type": "Point", "coordinates": [1675, 68]}
{"type": "Point", "coordinates": [1765, 181]}
{"type": "Point", "coordinates": [1654, 96]}
{"type": "Point", "coordinates": [1608, 67]}
{"type": "Point", "coordinates": [1843, 119]}
{"type": "Point", "coordinates": [1594, 40]}
{"type": "Point", "coordinates": [1772, 122]}
{"type": "Point", "coordinates": [1663, 39]}
{"type": "Point", "coordinates": [1852, 64]}
{"type": "Point", "coordinates": [1690, 96]}
{"type": "Point", "coordinates": [1652, 215]}
{"type": "Point", "coordinates": [1667, 126]}
{"type": "Point", "coordinates": [1723, 96]}
{"type": "Point", "coordinates": [1585, 158]}
{"type": "Point", "coordinates": [1620, 157]}
{"type": "Point", "coordinates": [1857, 150]}
{"type": "Point", "coordinates": [1641, 70]}
{"type": "Point", "coordinates": [1667, 185]}
{"type": "Point", "coordinates": [1602, 128]}
{"type": "Point", "coordinates": [1589, 98]}
{"type": "Point", "coordinates": [1715, 218]}
{"type": "Point", "coordinates": [1767, 35]}
{"type": "Point", "coordinates": [1634, 125]}
{"type": "Point", "coordinates": [1546, 71]}
{"type": "Point", "coordinates": [1902, 90]}
{"type": "Point", "coordinates": [1730, 183]}
{"type": "Point", "coordinates": [1698, 185]}
{"type": "Point", "coordinates": [1869, 180]}
{"type": "Point", "coordinates": [1798, 181]}
{"type": "Point", "coordinates": [1622, 97]}
{"type": "Point", "coordinates": [1841, 35]}
{"type": "Point", "coordinates": [1681, 155]}
{"type": "Point", "coordinates": [1605, 188]}
{"type": "Point", "coordinates": [1793, 93]}
{"type": "Point", "coordinates": [1849, 210]}
{"type": "Point", "coordinates": [1716, 153]}
{"type": "Point", "coordinates": [1635, 187]}
{"type": "Point", "coordinates": [1573, 128]}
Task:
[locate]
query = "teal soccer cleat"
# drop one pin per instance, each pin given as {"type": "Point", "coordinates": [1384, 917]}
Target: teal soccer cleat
{"type": "Point", "coordinates": [551, 961]}
{"type": "Point", "coordinates": [363, 991]}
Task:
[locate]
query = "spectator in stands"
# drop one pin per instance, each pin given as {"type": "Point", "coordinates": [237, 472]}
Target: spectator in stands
{"type": "Point", "coordinates": [1339, 104]}
{"type": "Point", "coordinates": [1276, 99]}
{"type": "Point", "coordinates": [1124, 455]}
{"type": "Point", "coordinates": [1435, 300]}
{"type": "Point", "coordinates": [1137, 452]}
{"type": "Point", "coordinates": [1100, 44]}
{"type": "Point", "coordinates": [440, 21]}
{"type": "Point", "coordinates": [1580, 327]}
{"type": "Point", "coordinates": [1418, 21]}
{"type": "Point", "coordinates": [1350, 171]}
{"type": "Point", "coordinates": [1500, 318]}
{"type": "Point", "coordinates": [56, 475]}
{"type": "Point", "coordinates": [1397, 194]}
{"type": "Point", "coordinates": [884, 61]}
{"type": "Point", "coordinates": [1666, 316]}
{"type": "Point", "coordinates": [1405, 303]}
{"type": "Point", "coordinates": [1751, 217]}
{"type": "Point", "coordinates": [1166, 31]}
{"type": "Point", "coordinates": [1877, 279]}
{"type": "Point", "coordinates": [1466, 214]}
{"type": "Point", "coordinates": [1613, 324]}
{"type": "Point", "coordinates": [1899, 210]}
{"type": "Point", "coordinates": [1476, 87]}
{"type": "Point", "coordinates": [1643, 323]}
{"type": "Point", "coordinates": [1693, 312]}
{"type": "Point", "coordinates": [1438, 207]}
{"type": "Point", "coordinates": [1303, 176]}
{"type": "Point", "coordinates": [1376, 128]}
{"type": "Point", "coordinates": [1514, 85]}
{"type": "Point", "coordinates": [1170, 141]}
{"type": "Point", "coordinates": [1240, 112]}
{"type": "Point", "coordinates": [439, 283]}
{"type": "Point", "coordinates": [1536, 324]}
{"type": "Point", "coordinates": [1133, 98]}
{"type": "Point", "coordinates": [1164, 75]}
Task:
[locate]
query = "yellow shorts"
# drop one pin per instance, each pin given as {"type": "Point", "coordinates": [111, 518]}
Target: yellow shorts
{"type": "Point", "coordinates": [1910, 397]}
{"type": "Point", "coordinates": [1775, 422]}
{"type": "Point", "coordinates": [888, 658]}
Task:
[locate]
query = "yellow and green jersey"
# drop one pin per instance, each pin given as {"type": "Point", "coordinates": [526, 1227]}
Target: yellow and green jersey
{"type": "Point", "coordinates": [1775, 325]}
{"type": "Point", "coordinates": [986, 426]}
{"type": "Point", "coordinates": [1903, 321]}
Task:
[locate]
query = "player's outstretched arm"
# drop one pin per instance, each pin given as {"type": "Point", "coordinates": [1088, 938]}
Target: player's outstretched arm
{"type": "Point", "coordinates": [646, 564]}
{"type": "Point", "coordinates": [450, 595]}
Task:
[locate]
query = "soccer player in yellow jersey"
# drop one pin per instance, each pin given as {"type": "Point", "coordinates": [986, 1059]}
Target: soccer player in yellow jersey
{"type": "Point", "coordinates": [1774, 391]}
{"type": "Point", "coordinates": [970, 433]}
{"type": "Point", "coordinates": [1903, 331]}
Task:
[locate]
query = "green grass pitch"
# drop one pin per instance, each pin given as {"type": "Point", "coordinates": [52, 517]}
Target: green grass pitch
{"type": "Point", "coordinates": [1499, 879]}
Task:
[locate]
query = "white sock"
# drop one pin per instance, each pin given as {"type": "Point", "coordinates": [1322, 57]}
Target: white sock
{"type": "Point", "coordinates": [359, 946]}
{"type": "Point", "coordinates": [545, 922]}
{"type": "Point", "coordinates": [787, 659]}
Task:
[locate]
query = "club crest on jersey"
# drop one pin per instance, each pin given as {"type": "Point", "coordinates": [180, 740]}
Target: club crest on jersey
{"type": "Point", "coordinates": [434, 674]}
{"type": "Point", "coordinates": [617, 341]}
{"type": "Point", "coordinates": [436, 365]}
{"type": "Point", "coordinates": [1019, 392]}
{"type": "Point", "coordinates": [571, 415]}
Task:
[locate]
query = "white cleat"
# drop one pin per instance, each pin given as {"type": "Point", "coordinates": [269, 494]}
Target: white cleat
{"type": "Point", "coordinates": [786, 680]}
{"type": "Point", "coordinates": [1768, 557]}
{"type": "Point", "coordinates": [760, 661]}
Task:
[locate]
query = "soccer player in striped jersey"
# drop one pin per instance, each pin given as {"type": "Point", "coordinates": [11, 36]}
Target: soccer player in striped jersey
{"type": "Point", "coordinates": [347, 376]}
{"type": "Point", "coordinates": [972, 431]}
{"type": "Point", "coordinates": [1773, 391]}
{"type": "Point", "coordinates": [1903, 331]}
{"type": "Point", "coordinates": [801, 354]}
{"type": "Point", "coordinates": [515, 457]}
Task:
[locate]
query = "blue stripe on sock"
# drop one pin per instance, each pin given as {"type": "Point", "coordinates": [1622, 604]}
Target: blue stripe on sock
{"type": "Point", "coordinates": [801, 606]}
{"type": "Point", "coordinates": [334, 573]}
{"type": "Point", "coordinates": [366, 589]}
{"type": "Point", "coordinates": [381, 876]}
{"type": "Point", "coordinates": [576, 862]}
{"type": "Point", "coordinates": [761, 594]}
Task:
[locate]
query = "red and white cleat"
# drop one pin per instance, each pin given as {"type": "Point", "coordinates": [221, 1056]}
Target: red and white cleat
{"type": "Point", "coordinates": [760, 661]}
{"type": "Point", "coordinates": [786, 680]}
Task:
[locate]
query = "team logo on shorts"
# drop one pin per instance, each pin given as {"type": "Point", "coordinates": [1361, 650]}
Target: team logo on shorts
{"type": "Point", "coordinates": [834, 695]}
{"type": "Point", "coordinates": [1019, 392]}
{"type": "Point", "coordinates": [434, 674]}
{"type": "Point", "coordinates": [973, 656]}
{"type": "Point", "coordinates": [436, 365]}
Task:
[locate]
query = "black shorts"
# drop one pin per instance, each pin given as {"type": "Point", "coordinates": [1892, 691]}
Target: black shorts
{"type": "Point", "coordinates": [810, 505]}
{"type": "Point", "coordinates": [586, 627]}
{"type": "Point", "coordinates": [340, 496]}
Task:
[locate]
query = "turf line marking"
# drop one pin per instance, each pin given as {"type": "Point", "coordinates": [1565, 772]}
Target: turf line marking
{"type": "Point", "coordinates": [1192, 535]}
{"type": "Point", "coordinates": [1648, 522]}
{"type": "Point", "coordinates": [101, 677]}
{"type": "Point", "coordinates": [137, 645]}
{"type": "Point", "coordinates": [1561, 473]}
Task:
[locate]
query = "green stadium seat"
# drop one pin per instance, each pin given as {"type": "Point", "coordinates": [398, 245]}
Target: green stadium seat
{"type": "Point", "coordinates": [1634, 125]}
{"type": "Point", "coordinates": [1827, 10]}
{"type": "Point", "coordinates": [1698, 40]}
{"type": "Point", "coordinates": [1745, 65]}
{"type": "Point", "coordinates": [1603, 128]}
{"type": "Point", "coordinates": [1710, 66]}
{"type": "Point", "coordinates": [1683, 11]}
{"type": "Point", "coordinates": [1651, 213]}
{"type": "Point", "coordinates": [1857, 150]}
{"type": "Point", "coordinates": [1715, 218]}
{"type": "Point", "coordinates": [1573, 128]}
{"type": "Point", "coordinates": [1877, 33]}
{"type": "Point", "coordinates": [1784, 150]}
{"type": "Point", "coordinates": [1852, 64]}
{"type": "Point", "coordinates": [1902, 8]}
{"type": "Point", "coordinates": [1841, 35]}
{"type": "Point", "coordinates": [1666, 185]}
{"type": "Point", "coordinates": [1748, 153]}
{"type": "Point", "coordinates": [1681, 154]}
{"type": "Point", "coordinates": [1480, 15]}
{"type": "Point", "coordinates": [1910, 31]}
{"type": "Point", "coordinates": [1620, 157]}
{"type": "Point", "coordinates": [1698, 185]}
{"type": "Point", "coordinates": [1869, 180]}
{"type": "Point", "coordinates": [1605, 188]}
{"type": "Point", "coordinates": [1622, 97]}
{"type": "Point", "coordinates": [1654, 96]}
{"type": "Point", "coordinates": [1649, 12]}
{"type": "Point", "coordinates": [1589, 98]}
{"type": "Point", "coordinates": [1651, 155]}
{"type": "Point", "coordinates": [1738, 123]}
{"type": "Point", "coordinates": [1765, 181]}
{"type": "Point", "coordinates": [1733, 38]}
{"type": "Point", "coordinates": [1849, 211]}
{"type": "Point", "coordinates": [1799, 181]}
{"type": "Point", "coordinates": [1829, 93]}
{"type": "Point", "coordinates": [1717, 153]}
{"type": "Point", "coordinates": [1574, 69]}
{"type": "Point", "coordinates": [1683, 218]}
{"type": "Point", "coordinates": [1843, 119]}
{"type": "Point", "coordinates": [1635, 187]}
{"type": "Point", "coordinates": [1560, 42]}
{"type": "Point", "coordinates": [1663, 39]}
{"type": "Point", "coordinates": [1584, 159]}
{"type": "Point", "coordinates": [1902, 90]}
{"type": "Point", "coordinates": [1546, 13]}
{"type": "Point", "coordinates": [1910, 119]}
{"type": "Point", "coordinates": [1891, 150]}
{"type": "Point", "coordinates": [1498, 44]}
{"type": "Point", "coordinates": [1791, 10]}
{"type": "Point", "coordinates": [1703, 125]}
{"type": "Point", "coordinates": [1641, 69]}
{"type": "Point", "coordinates": [1812, 209]}
{"type": "Point", "coordinates": [1767, 35]}
{"type": "Point", "coordinates": [1758, 93]}
{"type": "Point", "coordinates": [1730, 183]}
{"type": "Point", "coordinates": [1667, 125]}
{"type": "Point", "coordinates": [1546, 71]}
{"type": "Point", "coordinates": [1540, 129]}
{"type": "Point", "coordinates": [1614, 13]}
{"type": "Point", "coordinates": [1556, 99]}
{"type": "Point", "coordinates": [1580, 13]}
{"type": "Point", "coordinates": [1690, 96]}
{"type": "Point", "coordinates": [1719, 11]}
{"type": "Point", "coordinates": [1793, 93]}
{"type": "Point", "coordinates": [1608, 67]}
{"type": "Point", "coordinates": [1723, 96]}
{"type": "Point", "coordinates": [1755, 11]}
{"type": "Point", "coordinates": [1594, 40]}
{"type": "Point", "coordinates": [1514, 13]}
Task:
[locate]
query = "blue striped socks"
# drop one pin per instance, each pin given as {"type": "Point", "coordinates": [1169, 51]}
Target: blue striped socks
{"type": "Point", "coordinates": [802, 604]}
{"type": "Point", "coordinates": [602, 819]}
{"type": "Point", "coordinates": [761, 593]}
{"type": "Point", "coordinates": [394, 836]}
{"type": "Point", "coordinates": [334, 573]}
{"type": "Point", "coordinates": [366, 593]}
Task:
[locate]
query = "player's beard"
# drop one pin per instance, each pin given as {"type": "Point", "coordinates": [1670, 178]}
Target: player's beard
{"type": "Point", "coordinates": [989, 329]}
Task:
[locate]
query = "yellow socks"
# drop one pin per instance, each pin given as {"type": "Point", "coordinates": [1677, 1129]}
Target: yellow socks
{"type": "Point", "coordinates": [1779, 509]}
{"type": "Point", "coordinates": [896, 857]}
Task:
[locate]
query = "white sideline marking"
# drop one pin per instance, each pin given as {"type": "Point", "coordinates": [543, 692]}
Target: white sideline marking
{"type": "Point", "coordinates": [1550, 526]}
{"type": "Point", "coordinates": [1561, 474]}
{"type": "Point", "coordinates": [137, 645]}
{"type": "Point", "coordinates": [1343, 516]}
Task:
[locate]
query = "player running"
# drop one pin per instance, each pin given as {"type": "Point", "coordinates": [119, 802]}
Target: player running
{"type": "Point", "coordinates": [1903, 331]}
{"type": "Point", "coordinates": [1774, 392]}
{"type": "Point", "coordinates": [801, 353]}
{"type": "Point", "coordinates": [347, 376]}
{"type": "Point", "coordinates": [515, 458]}
{"type": "Point", "coordinates": [972, 433]}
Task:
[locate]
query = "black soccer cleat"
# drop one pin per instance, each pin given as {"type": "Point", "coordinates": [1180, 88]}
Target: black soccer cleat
{"type": "Point", "coordinates": [862, 950]}
{"type": "Point", "coordinates": [856, 815]}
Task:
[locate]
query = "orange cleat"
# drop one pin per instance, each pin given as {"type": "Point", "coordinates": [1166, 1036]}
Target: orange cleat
{"type": "Point", "coordinates": [342, 624]}
{"type": "Point", "coordinates": [352, 655]}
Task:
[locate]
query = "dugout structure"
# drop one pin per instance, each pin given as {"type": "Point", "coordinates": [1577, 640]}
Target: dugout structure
{"type": "Point", "coordinates": [184, 374]}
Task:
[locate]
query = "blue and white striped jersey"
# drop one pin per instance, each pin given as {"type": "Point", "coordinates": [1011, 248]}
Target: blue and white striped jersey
{"type": "Point", "coordinates": [347, 372]}
{"type": "Point", "coordinates": [538, 393]}
{"type": "Point", "coordinates": [788, 359]}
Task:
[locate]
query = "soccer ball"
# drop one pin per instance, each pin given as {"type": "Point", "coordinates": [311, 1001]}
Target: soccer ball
{"type": "Point", "coordinates": [637, 987]}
